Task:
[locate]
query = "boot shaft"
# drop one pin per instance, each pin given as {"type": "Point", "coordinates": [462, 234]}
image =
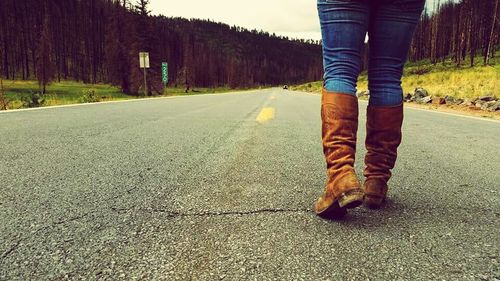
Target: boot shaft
{"type": "Point", "coordinates": [383, 137]}
{"type": "Point", "coordinates": [339, 114]}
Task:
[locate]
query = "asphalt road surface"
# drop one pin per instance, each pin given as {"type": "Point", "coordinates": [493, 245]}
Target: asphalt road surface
{"type": "Point", "coordinates": [221, 187]}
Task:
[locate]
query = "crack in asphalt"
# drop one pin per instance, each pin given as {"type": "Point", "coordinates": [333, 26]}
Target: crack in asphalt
{"type": "Point", "coordinates": [172, 214]}
{"type": "Point", "coordinates": [169, 213]}
{"type": "Point", "coordinates": [178, 214]}
{"type": "Point", "coordinates": [11, 249]}
{"type": "Point", "coordinates": [16, 244]}
{"type": "Point", "coordinates": [136, 186]}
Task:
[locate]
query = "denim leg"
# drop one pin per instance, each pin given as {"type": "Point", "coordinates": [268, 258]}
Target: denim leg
{"type": "Point", "coordinates": [344, 24]}
{"type": "Point", "coordinates": [392, 25]}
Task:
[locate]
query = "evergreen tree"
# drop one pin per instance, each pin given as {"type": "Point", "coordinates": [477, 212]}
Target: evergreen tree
{"type": "Point", "coordinates": [117, 48]}
{"type": "Point", "coordinates": [45, 65]}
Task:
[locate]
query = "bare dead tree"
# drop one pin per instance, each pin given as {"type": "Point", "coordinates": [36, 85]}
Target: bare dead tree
{"type": "Point", "coordinates": [491, 38]}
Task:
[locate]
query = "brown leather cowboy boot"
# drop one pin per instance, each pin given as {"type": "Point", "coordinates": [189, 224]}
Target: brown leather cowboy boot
{"type": "Point", "coordinates": [383, 136]}
{"type": "Point", "coordinates": [339, 114]}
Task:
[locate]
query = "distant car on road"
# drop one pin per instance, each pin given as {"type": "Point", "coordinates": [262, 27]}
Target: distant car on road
{"type": "Point", "coordinates": [285, 87]}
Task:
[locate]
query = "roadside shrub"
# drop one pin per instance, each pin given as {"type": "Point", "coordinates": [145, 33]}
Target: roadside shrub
{"type": "Point", "coordinates": [419, 71]}
{"type": "Point", "coordinates": [33, 99]}
{"type": "Point", "coordinates": [4, 102]}
{"type": "Point", "coordinates": [89, 96]}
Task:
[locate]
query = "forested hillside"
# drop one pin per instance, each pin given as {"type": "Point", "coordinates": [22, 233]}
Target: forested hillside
{"type": "Point", "coordinates": [467, 28]}
{"type": "Point", "coordinates": [99, 41]}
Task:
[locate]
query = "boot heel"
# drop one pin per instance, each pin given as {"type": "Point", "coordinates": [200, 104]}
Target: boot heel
{"type": "Point", "coordinates": [373, 202]}
{"type": "Point", "coordinates": [351, 199]}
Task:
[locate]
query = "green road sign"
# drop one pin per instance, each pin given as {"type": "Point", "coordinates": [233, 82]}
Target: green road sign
{"type": "Point", "coordinates": [164, 72]}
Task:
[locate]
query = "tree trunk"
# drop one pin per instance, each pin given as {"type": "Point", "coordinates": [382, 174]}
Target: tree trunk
{"type": "Point", "coordinates": [491, 39]}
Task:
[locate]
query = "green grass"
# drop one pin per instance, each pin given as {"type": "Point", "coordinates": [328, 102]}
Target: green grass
{"type": "Point", "coordinates": [172, 91]}
{"type": "Point", "coordinates": [71, 92]}
{"type": "Point", "coordinates": [440, 80]}
{"type": "Point", "coordinates": [61, 93]}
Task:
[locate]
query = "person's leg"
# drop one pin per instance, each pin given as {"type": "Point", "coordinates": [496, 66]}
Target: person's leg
{"type": "Point", "coordinates": [343, 24]}
{"type": "Point", "coordinates": [392, 25]}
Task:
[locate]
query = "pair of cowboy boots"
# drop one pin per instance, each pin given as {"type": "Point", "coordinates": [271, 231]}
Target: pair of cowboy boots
{"type": "Point", "coordinates": [339, 114]}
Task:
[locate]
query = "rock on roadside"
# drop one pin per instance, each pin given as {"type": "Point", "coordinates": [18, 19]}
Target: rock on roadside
{"type": "Point", "coordinates": [487, 102]}
{"type": "Point", "coordinates": [424, 100]}
{"type": "Point", "coordinates": [420, 93]}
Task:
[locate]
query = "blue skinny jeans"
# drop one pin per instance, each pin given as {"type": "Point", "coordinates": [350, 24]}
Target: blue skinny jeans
{"type": "Point", "coordinates": [390, 25]}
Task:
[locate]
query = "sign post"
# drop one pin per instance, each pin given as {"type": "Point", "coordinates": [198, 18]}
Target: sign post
{"type": "Point", "coordinates": [164, 73]}
{"type": "Point", "coordinates": [144, 64]}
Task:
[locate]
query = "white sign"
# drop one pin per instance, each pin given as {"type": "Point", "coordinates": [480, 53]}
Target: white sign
{"type": "Point", "coordinates": [144, 59]}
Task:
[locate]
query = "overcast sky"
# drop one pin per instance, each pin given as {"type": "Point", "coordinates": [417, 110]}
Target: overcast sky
{"type": "Point", "coordinates": [292, 18]}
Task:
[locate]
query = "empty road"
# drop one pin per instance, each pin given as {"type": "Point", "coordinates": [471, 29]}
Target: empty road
{"type": "Point", "coordinates": [221, 187]}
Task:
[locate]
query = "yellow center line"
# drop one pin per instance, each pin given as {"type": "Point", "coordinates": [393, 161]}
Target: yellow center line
{"type": "Point", "coordinates": [266, 114]}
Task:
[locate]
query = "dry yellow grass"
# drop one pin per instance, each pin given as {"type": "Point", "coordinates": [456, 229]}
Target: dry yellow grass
{"type": "Point", "coordinates": [440, 80]}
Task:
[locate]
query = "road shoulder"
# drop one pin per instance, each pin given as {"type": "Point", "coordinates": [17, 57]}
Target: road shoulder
{"type": "Point", "coordinates": [448, 109]}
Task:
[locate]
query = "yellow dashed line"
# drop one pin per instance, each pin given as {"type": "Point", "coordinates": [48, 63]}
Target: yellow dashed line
{"type": "Point", "coordinates": [266, 114]}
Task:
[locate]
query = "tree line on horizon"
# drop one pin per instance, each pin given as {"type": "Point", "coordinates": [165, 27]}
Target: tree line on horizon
{"type": "Point", "coordinates": [460, 30]}
{"type": "Point", "coordinates": [98, 41]}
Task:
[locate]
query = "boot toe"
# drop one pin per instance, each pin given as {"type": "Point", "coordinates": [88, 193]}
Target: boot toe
{"type": "Point", "coordinates": [329, 206]}
{"type": "Point", "coordinates": [332, 211]}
